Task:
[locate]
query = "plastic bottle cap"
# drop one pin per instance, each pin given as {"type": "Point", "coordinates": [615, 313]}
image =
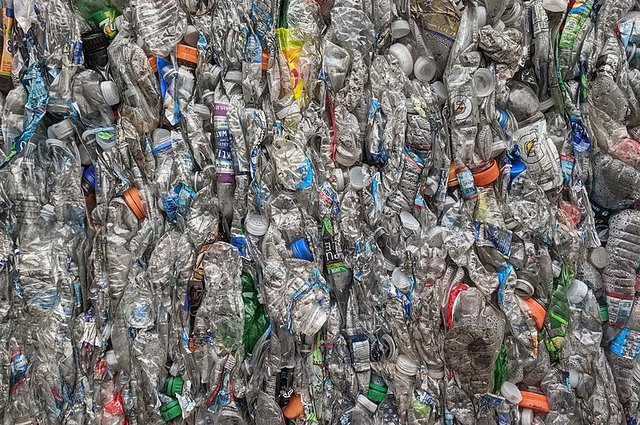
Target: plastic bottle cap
{"type": "Point", "coordinates": [356, 178]}
{"type": "Point", "coordinates": [89, 175]}
{"type": "Point", "coordinates": [233, 76]}
{"type": "Point", "coordinates": [424, 69]}
{"type": "Point", "coordinates": [575, 378]}
{"type": "Point", "coordinates": [431, 186]}
{"type": "Point", "coordinates": [400, 280]}
{"type": "Point", "coordinates": [409, 105]}
{"type": "Point", "coordinates": [389, 345]}
{"type": "Point", "coordinates": [435, 371]}
{"type": "Point", "coordinates": [301, 250]}
{"type": "Point", "coordinates": [406, 366]}
{"type": "Point", "coordinates": [187, 53]}
{"type": "Point", "coordinates": [62, 130]}
{"type": "Point", "coordinates": [409, 222]}
{"type": "Point", "coordinates": [524, 289]}
{"type": "Point", "coordinates": [453, 177]}
{"type": "Point", "coordinates": [482, 16]}
{"type": "Point", "coordinates": [366, 403]}
{"type": "Point", "coordinates": [256, 225]}
{"type": "Point", "coordinates": [556, 267]}
{"type": "Point", "coordinates": [511, 392]}
{"type": "Point", "coordinates": [171, 410]}
{"type": "Point", "coordinates": [376, 395]}
{"type": "Point", "coordinates": [110, 92]}
{"type": "Point", "coordinates": [545, 105]}
{"type": "Point", "coordinates": [400, 52]}
{"type": "Point", "coordinates": [388, 265]}
{"type": "Point", "coordinates": [526, 417]}
{"type": "Point", "coordinates": [499, 26]}
{"type": "Point", "coordinates": [153, 63]}
{"type": "Point", "coordinates": [54, 142]}
{"type": "Point", "coordinates": [440, 90]}
{"type": "Point", "coordinates": [537, 311]}
{"type": "Point", "coordinates": [191, 36]}
{"type": "Point", "coordinates": [400, 28]}
{"type": "Point", "coordinates": [577, 291]}
{"type": "Point", "coordinates": [555, 6]}
{"type": "Point", "coordinates": [132, 199]}
{"type": "Point", "coordinates": [484, 82]}
{"type": "Point", "coordinates": [488, 176]}
{"type": "Point", "coordinates": [294, 409]}
{"type": "Point", "coordinates": [344, 157]}
{"type": "Point", "coordinates": [339, 176]}
{"type": "Point", "coordinates": [599, 257]}
{"type": "Point", "coordinates": [534, 401]}
{"type": "Point", "coordinates": [175, 385]}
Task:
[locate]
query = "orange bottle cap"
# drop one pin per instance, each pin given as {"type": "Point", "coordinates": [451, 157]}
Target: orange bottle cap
{"type": "Point", "coordinates": [265, 60]}
{"type": "Point", "coordinates": [488, 176]}
{"type": "Point", "coordinates": [453, 177]}
{"type": "Point", "coordinates": [537, 311]}
{"type": "Point", "coordinates": [132, 199]}
{"type": "Point", "coordinates": [187, 53]}
{"type": "Point", "coordinates": [534, 401]}
{"type": "Point", "coordinates": [294, 408]}
{"type": "Point", "coordinates": [153, 63]}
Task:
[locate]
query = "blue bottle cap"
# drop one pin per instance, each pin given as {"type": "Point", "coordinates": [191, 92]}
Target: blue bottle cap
{"type": "Point", "coordinates": [517, 167]}
{"type": "Point", "coordinates": [301, 250]}
{"type": "Point", "coordinates": [89, 178]}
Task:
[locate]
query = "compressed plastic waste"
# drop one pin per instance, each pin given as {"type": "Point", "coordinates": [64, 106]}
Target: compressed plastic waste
{"type": "Point", "coordinates": [320, 212]}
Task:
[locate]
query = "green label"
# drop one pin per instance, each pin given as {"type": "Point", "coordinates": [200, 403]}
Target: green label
{"type": "Point", "coordinates": [105, 19]}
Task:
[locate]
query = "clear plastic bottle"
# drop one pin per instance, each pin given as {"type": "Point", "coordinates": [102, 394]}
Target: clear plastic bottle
{"type": "Point", "coordinates": [161, 24]}
{"type": "Point", "coordinates": [101, 14]}
{"type": "Point", "coordinates": [361, 414]}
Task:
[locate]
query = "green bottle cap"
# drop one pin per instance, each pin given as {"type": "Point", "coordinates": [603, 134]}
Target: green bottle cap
{"type": "Point", "coordinates": [378, 387]}
{"type": "Point", "coordinates": [170, 411]}
{"type": "Point", "coordinates": [376, 396]}
{"type": "Point", "coordinates": [175, 385]}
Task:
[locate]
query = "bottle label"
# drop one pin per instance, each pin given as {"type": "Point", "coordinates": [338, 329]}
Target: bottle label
{"type": "Point", "coordinates": [626, 344]}
{"type": "Point", "coordinates": [105, 19]}
{"type": "Point", "coordinates": [619, 308]}
{"type": "Point", "coordinates": [467, 185]}
{"type": "Point", "coordinates": [7, 49]}
{"type": "Point", "coordinates": [222, 136]}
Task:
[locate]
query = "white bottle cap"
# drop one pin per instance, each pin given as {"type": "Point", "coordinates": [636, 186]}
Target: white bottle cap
{"type": "Point", "coordinates": [112, 359]}
{"type": "Point", "coordinates": [400, 280]}
{"type": "Point", "coordinates": [256, 225]}
{"type": "Point", "coordinates": [526, 417]}
{"type": "Point", "coordinates": [344, 157]}
{"type": "Point", "coordinates": [191, 36]}
{"type": "Point", "coordinates": [367, 404]}
{"type": "Point", "coordinates": [409, 222]}
{"type": "Point", "coordinates": [400, 52]}
{"type": "Point", "coordinates": [524, 289]}
{"type": "Point", "coordinates": [599, 257]}
{"type": "Point", "coordinates": [339, 176]}
{"type": "Point", "coordinates": [577, 291]}
{"type": "Point", "coordinates": [555, 6]}
{"type": "Point", "coordinates": [202, 110]}
{"type": "Point", "coordinates": [440, 90]}
{"type": "Point", "coordinates": [424, 69]}
{"type": "Point", "coordinates": [54, 142]}
{"type": "Point", "coordinates": [161, 135]}
{"type": "Point", "coordinates": [484, 82]}
{"type": "Point", "coordinates": [356, 178]}
{"type": "Point", "coordinates": [400, 28]}
{"type": "Point", "coordinates": [575, 378]}
{"type": "Point", "coordinates": [48, 212]}
{"type": "Point", "coordinates": [511, 392]}
{"type": "Point", "coordinates": [110, 92]}
{"type": "Point", "coordinates": [435, 371]}
{"type": "Point", "coordinates": [62, 130]}
{"type": "Point", "coordinates": [406, 366]}
{"type": "Point", "coordinates": [233, 76]}
{"type": "Point", "coordinates": [499, 26]}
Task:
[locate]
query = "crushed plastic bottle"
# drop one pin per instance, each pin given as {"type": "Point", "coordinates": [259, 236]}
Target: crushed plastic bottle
{"type": "Point", "coordinates": [320, 212]}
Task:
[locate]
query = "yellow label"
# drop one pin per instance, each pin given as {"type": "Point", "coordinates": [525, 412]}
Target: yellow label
{"type": "Point", "coordinates": [291, 49]}
{"type": "Point", "coordinates": [7, 56]}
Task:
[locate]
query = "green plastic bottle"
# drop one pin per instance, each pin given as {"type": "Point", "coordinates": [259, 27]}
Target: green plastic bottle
{"type": "Point", "coordinates": [101, 14]}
